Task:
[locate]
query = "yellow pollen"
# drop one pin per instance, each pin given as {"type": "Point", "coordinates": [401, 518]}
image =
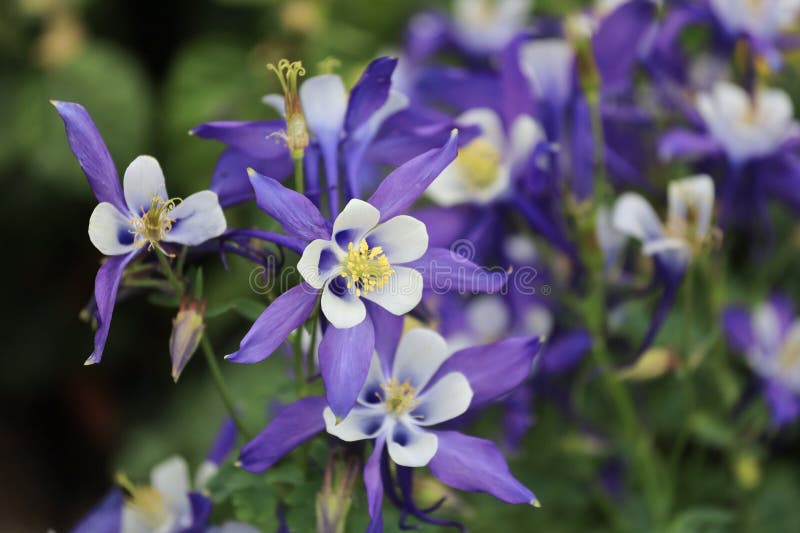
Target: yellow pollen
{"type": "Point", "coordinates": [398, 398]}
{"type": "Point", "coordinates": [479, 162]}
{"type": "Point", "coordinates": [365, 268]}
{"type": "Point", "coordinates": [153, 225]}
{"type": "Point", "coordinates": [146, 500]}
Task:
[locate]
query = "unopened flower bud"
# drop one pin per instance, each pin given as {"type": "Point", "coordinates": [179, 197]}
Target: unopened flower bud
{"type": "Point", "coordinates": [296, 130]}
{"type": "Point", "coordinates": [333, 501]}
{"type": "Point", "coordinates": [187, 330]}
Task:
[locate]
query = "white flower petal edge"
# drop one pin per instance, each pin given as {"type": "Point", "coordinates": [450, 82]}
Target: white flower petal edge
{"type": "Point", "coordinates": [355, 220]}
{"type": "Point", "coordinates": [547, 64]}
{"type": "Point", "coordinates": [402, 292]}
{"type": "Point", "coordinates": [695, 193]}
{"type": "Point", "coordinates": [310, 264]}
{"type": "Point", "coordinates": [635, 217]}
{"type": "Point", "coordinates": [143, 180]}
{"type": "Point", "coordinates": [198, 218]}
{"type": "Point", "coordinates": [110, 230]}
{"type": "Point", "coordinates": [345, 311]}
{"type": "Point", "coordinates": [444, 400]}
{"type": "Point", "coordinates": [359, 424]}
{"type": "Point", "coordinates": [403, 239]}
{"type": "Point", "coordinates": [324, 101]}
{"type": "Point", "coordinates": [419, 355]}
{"type": "Point", "coordinates": [412, 447]}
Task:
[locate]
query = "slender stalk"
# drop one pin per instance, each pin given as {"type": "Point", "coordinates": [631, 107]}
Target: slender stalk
{"type": "Point", "coordinates": [299, 181]}
{"type": "Point", "coordinates": [166, 268]}
{"type": "Point", "coordinates": [216, 373]}
{"type": "Point", "coordinates": [310, 368]}
{"type": "Point", "coordinates": [299, 375]}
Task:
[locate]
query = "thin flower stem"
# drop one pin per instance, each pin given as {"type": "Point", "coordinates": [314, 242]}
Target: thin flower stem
{"type": "Point", "coordinates": [310, 368]}
{"type": "Point", "coordinates": [211, 358]}
{"type": "Point", "coordinates": [299, 181]}
{"type": "Point", "coordinates": [170, 275]}
{"type": "Point", "coordinates": [299, 375]}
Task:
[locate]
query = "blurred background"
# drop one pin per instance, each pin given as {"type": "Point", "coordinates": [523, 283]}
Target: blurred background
{"type": "Point", "coordinates": [148, 71]}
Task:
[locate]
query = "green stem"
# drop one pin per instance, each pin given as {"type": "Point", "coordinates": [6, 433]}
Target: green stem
{"type": "Point", "coordinates": [216, 373]}
{"type": "Point", "coordinates": [299, 181]}
{"type": "Point", "coordinates": [166, 268]}
{"type": "Point", "coordinates": [312, 348]}
{"type": "Point", "coordinates": [299, 376]}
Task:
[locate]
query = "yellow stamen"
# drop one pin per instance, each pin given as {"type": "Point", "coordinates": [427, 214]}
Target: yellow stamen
{"type": "Point", "coordinates": [146, 500]}
{"type": "Point", "coordinates": [365, 268]}
{"type": "Point", "coordinates": [399, 398]}
{"type": "Point", "coordinates": [153, 225]}
{"type": "Point", "coordinates": [479, 162]}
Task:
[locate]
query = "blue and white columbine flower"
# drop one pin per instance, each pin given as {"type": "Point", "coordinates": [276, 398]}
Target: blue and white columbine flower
{"type": "Point", "coordinates": [486, 26]}
{"type": "Point", "coordinates": [138, 215]}
{"type": "Point", "coordinates": [763, 20]}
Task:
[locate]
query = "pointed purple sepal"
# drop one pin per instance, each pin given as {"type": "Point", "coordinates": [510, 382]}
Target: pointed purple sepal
{"type": "Point", "coordinates": [106, 284]}
{"type": "Point", "coordinates": [374, 486]}
{"type": "Point", "coordinates": [105, 517]}
{"type": "Point", "coordinates": [444, 270]}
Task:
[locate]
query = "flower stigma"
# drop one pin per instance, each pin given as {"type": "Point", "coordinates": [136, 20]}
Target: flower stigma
{"type": "Point", "coordinates": [399, 398]}
{"type": "Point", "coordinates": [144, 499]}
{"type": "Point", "coordinates": [296, 135]}
{"type": "Point", "coordinates": [365, 268]}
{"type": "Point", "coordinates": [153, 225]}
{"type": "Point", "coordinates": [479, 162]}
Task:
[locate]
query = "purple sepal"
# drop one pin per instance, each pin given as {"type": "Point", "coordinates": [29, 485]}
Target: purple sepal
{"type": "Point", "coordinates": [780, 176]}
{"type": "Point", "coordinates": [295, 213]}
{"type": "Point", "coordinates": [229, 179]}
{"type": "Point", "coordinates": [374, 486]}
{"type": "Point", "coordinates": [682, 143]}
{"type": "Point", "coordinates": [106, 284]}
{"type": "Point", "coordinates": [370, 92]}
{"type": "Point", "coordinates": [288, 312]}
{"type": "Point", "coordinates": [517, 98]}
{"type": "Point", "coordinates": [582, 148]}
{"type": "Point", "coordinates": [459, 88]}
{"type": "Point", "coordinates": [738, 328]}
{"type": "Point", "coordinates": [446, 225]}
{"type": "Point", "coordinates": [407, 182]}
{"type": "Point", "coordinates": [292, 426]}
{"type": "Point", "coordinates": [476, 465]}
{"type": "Point", "coordinates": [390, 327]}
{"type": "Point", "coordinates": [783, 403]}
{"type": "Point", "coordinates": [201, 510]}
{"type": "Point", "coordinates": [518, 417]}
{"type": "Point", "coordinates": [224, 442]}
{"type": "Point", "coordinates": [292, 243]}
{"type": "Point", "coordinates": [344, 358]}
{"type": "Point", "coordinates": [671, 279]}
{"type": "Point", "coordinates": [564, 352]}
{"type": "Point", "coordinates": [105, 517]}
{"type": "Point", "coordinates": [91, 152]}
{"type": "Point", "coordinates": [255, 139]}
{"type": "Point", "coordinates": [444, 270]}
{"type": "Point", "coordinates": [493, 370]}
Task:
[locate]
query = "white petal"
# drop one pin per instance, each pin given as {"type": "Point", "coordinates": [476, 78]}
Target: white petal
{"type": "Point", "coordinates": [396, 102]}
{"type": "Point", "coordinates": [489, 122]}
{"type": "Point", "coordinates": [411, 446]}
{"type": "Point", "coordinates": [444, 400]}
{"type": "Point", "coordinates": [198, 218]}
{"type": "Point", "coordinates": [449, 189]}
{"type": "Point", "coordinates": [667, 244]}
{"type": "Point", "coordinates": [320, 261]}
{"type": "Point", "coordinates": [110, 230]}
{"type": "Point", "coordinates": [324, 101]}
{"type": "Point", "coordinates": [171, 478]}
{"type": "Point", "coordinates": [525, 135]}
{"type": "Point", "coordinates": [419, 355]}
{"type": "Point", "coordinates": [695, 193]}
{"type": "Point", "coordinates": [355, 220]}
{"type": "Point", "coordinates": [401, 293]}
{"type": "Point", "coordinates": [635, 217]}
{"type": "Point", "coordinates": [547, 64]}
{"type": "Point", "coordinates": [143, 180]}
{"type": "Point", "coordinates": [403, 239]}
{"type": "Point", "coordinates": [134, 521]}
{"type": "Point", "coordinates": [371, 393]}
{"type": "Point", "coordinates": [205, 472]}
{"type": "Point", "coordinates": [276, 102]}
{"type": "Point", "coordinates": [341, 306]}
{"type": "Point", "coordinates": [488, 317]}
{"type": "Point", "coordinates": [359, 424]}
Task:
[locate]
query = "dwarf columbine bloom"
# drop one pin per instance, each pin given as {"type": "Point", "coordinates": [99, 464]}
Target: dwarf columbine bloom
{"type": "Point", "coordinates": [483, 169]}
{"type": "Point", "coordinates": [769, 337]}
{"type": "Point", "coordinates": [143, 217]}
{"type": "Point", "coordinates": [364, 259]}
{"type": "Point", "coordinates": [688, 226]}
{"type": "Point", "coordinates": [761, 20]}
{"type": "Point", "coordinates": [398, 403]}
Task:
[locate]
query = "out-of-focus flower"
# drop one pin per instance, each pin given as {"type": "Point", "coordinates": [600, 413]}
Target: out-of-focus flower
{"type": "Point", "coordinates": [769, 337]}
{"type": "Point", "coordinates": [187, 331]}
{"type": "Point", "coordinates": [124, 223]}
{"type": "Point", "coordinates": [486, 26]}
{"type": "Point", "coordinates": [652, 364]}
{"type": "Point", "coordinates": [413, 384]}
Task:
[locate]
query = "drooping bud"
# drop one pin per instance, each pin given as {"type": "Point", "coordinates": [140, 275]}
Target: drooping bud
{"type": "Point", "coordinates": [296, 130]}
{"type": "Point", "coordinates": [333, 501]}
{"type": "Point", "coordinates": [187, 330]}
{"type": "Point", "coordinates": [652, 364]}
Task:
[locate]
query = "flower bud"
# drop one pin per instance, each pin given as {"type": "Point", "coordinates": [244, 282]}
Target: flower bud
{"type": "Point", "coordinates": [652, 364]}
{"type": "Point", "coordinates": [187, 330]}
{"type": "Point", "coordinates": [333, 501]}
{"type": "Point", "coordinates": [296, 130]}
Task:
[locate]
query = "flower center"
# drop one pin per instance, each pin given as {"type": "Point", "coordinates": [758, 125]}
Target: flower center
{"type": "Point", "coordinates": [479, 162]}
{"type": "Point", "coordinates": [790, 351]}
{"type": "Point", "coordinates": [687, 227]}
{"type": "Point", "coordinates": [145, 500]}
{"type": "Point", "coordinates": [153, 225]}
{"type": "Point", "coordinates": [399, 398]}
{"type": "Point", "coordinates": [365, 268]}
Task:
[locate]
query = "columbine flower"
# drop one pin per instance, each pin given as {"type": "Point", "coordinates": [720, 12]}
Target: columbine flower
{"type": "Point", "coordinates": [143, 217]}
{"type": "Point", "coordinates": [484, 168]}
{"type": "Point", "coordinates": [412, 386]}
{"type": "Point", "coordinates": [688, 226]}
{"type": "Point", "coordinates": [769, 337]}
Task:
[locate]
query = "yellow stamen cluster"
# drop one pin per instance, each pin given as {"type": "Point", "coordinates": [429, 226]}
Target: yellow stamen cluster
{"type": "Point", "coordinates": [153, 225]}
{"type": "Point", "coordinates": [399, 398]}
{"type": "Point", "coordinates": [146, 500]}
{"type": "Point", "coordinates": [365, 268]}
{"type": "Point", "coordinates": [296, 131]}
{"type": "Point", "coordinates": [479, 161]}
{"type": "Point", "coordinates": [790, 352]}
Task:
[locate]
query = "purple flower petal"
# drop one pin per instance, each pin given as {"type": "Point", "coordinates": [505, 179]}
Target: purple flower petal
{"type": "Point", "coordinates": [493, 370]}
{"type": "Point", "coordinates": [444, 270]}
{"type": "Point", "coordinates": [296, 214]}
{"type": "Point", "coordinates": [407, 182]}
{"type": "Point", "coordinates": [374, 486]}
{"type": "Point", "coordinates": [201, 509]}
{"type": "Point", "coordinates": [106, 284]}
{"type": "Point", "coordinates": [459, 88]}
{"type": "Point", "coordinates": [565, 351]}
{"type": "Point", "coordinates": [783, 403]}
{"type": "Point", "coordinates": [91, 152]}
{"type": "Point", "coordinates": [255, 139]}
{"type": "Point", "coordinates": [229, 179]}
{"type": "Point", "coordinates": [284, 315]}
{"type": "Point", "coordinates": [738, 328]}
{"type": "Point", "coordinates": [582, 150]}
{"type": "Point", "coordinates": [476, 465]}
{"type": "Point", "coordinates": [106, 517]}
{"type": "Point", "coordinates": [224, 442]}
{"type": "Point", "coordinates": [344, 358]}
{"type": "Point", "coordinates": [292, 426]}
{"type": "Point", "coordinates": [370, 93]}
{"type": "Point", "coordinates": [687, 144]}
{"type": "Point", "coordinates": [390, 327]}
